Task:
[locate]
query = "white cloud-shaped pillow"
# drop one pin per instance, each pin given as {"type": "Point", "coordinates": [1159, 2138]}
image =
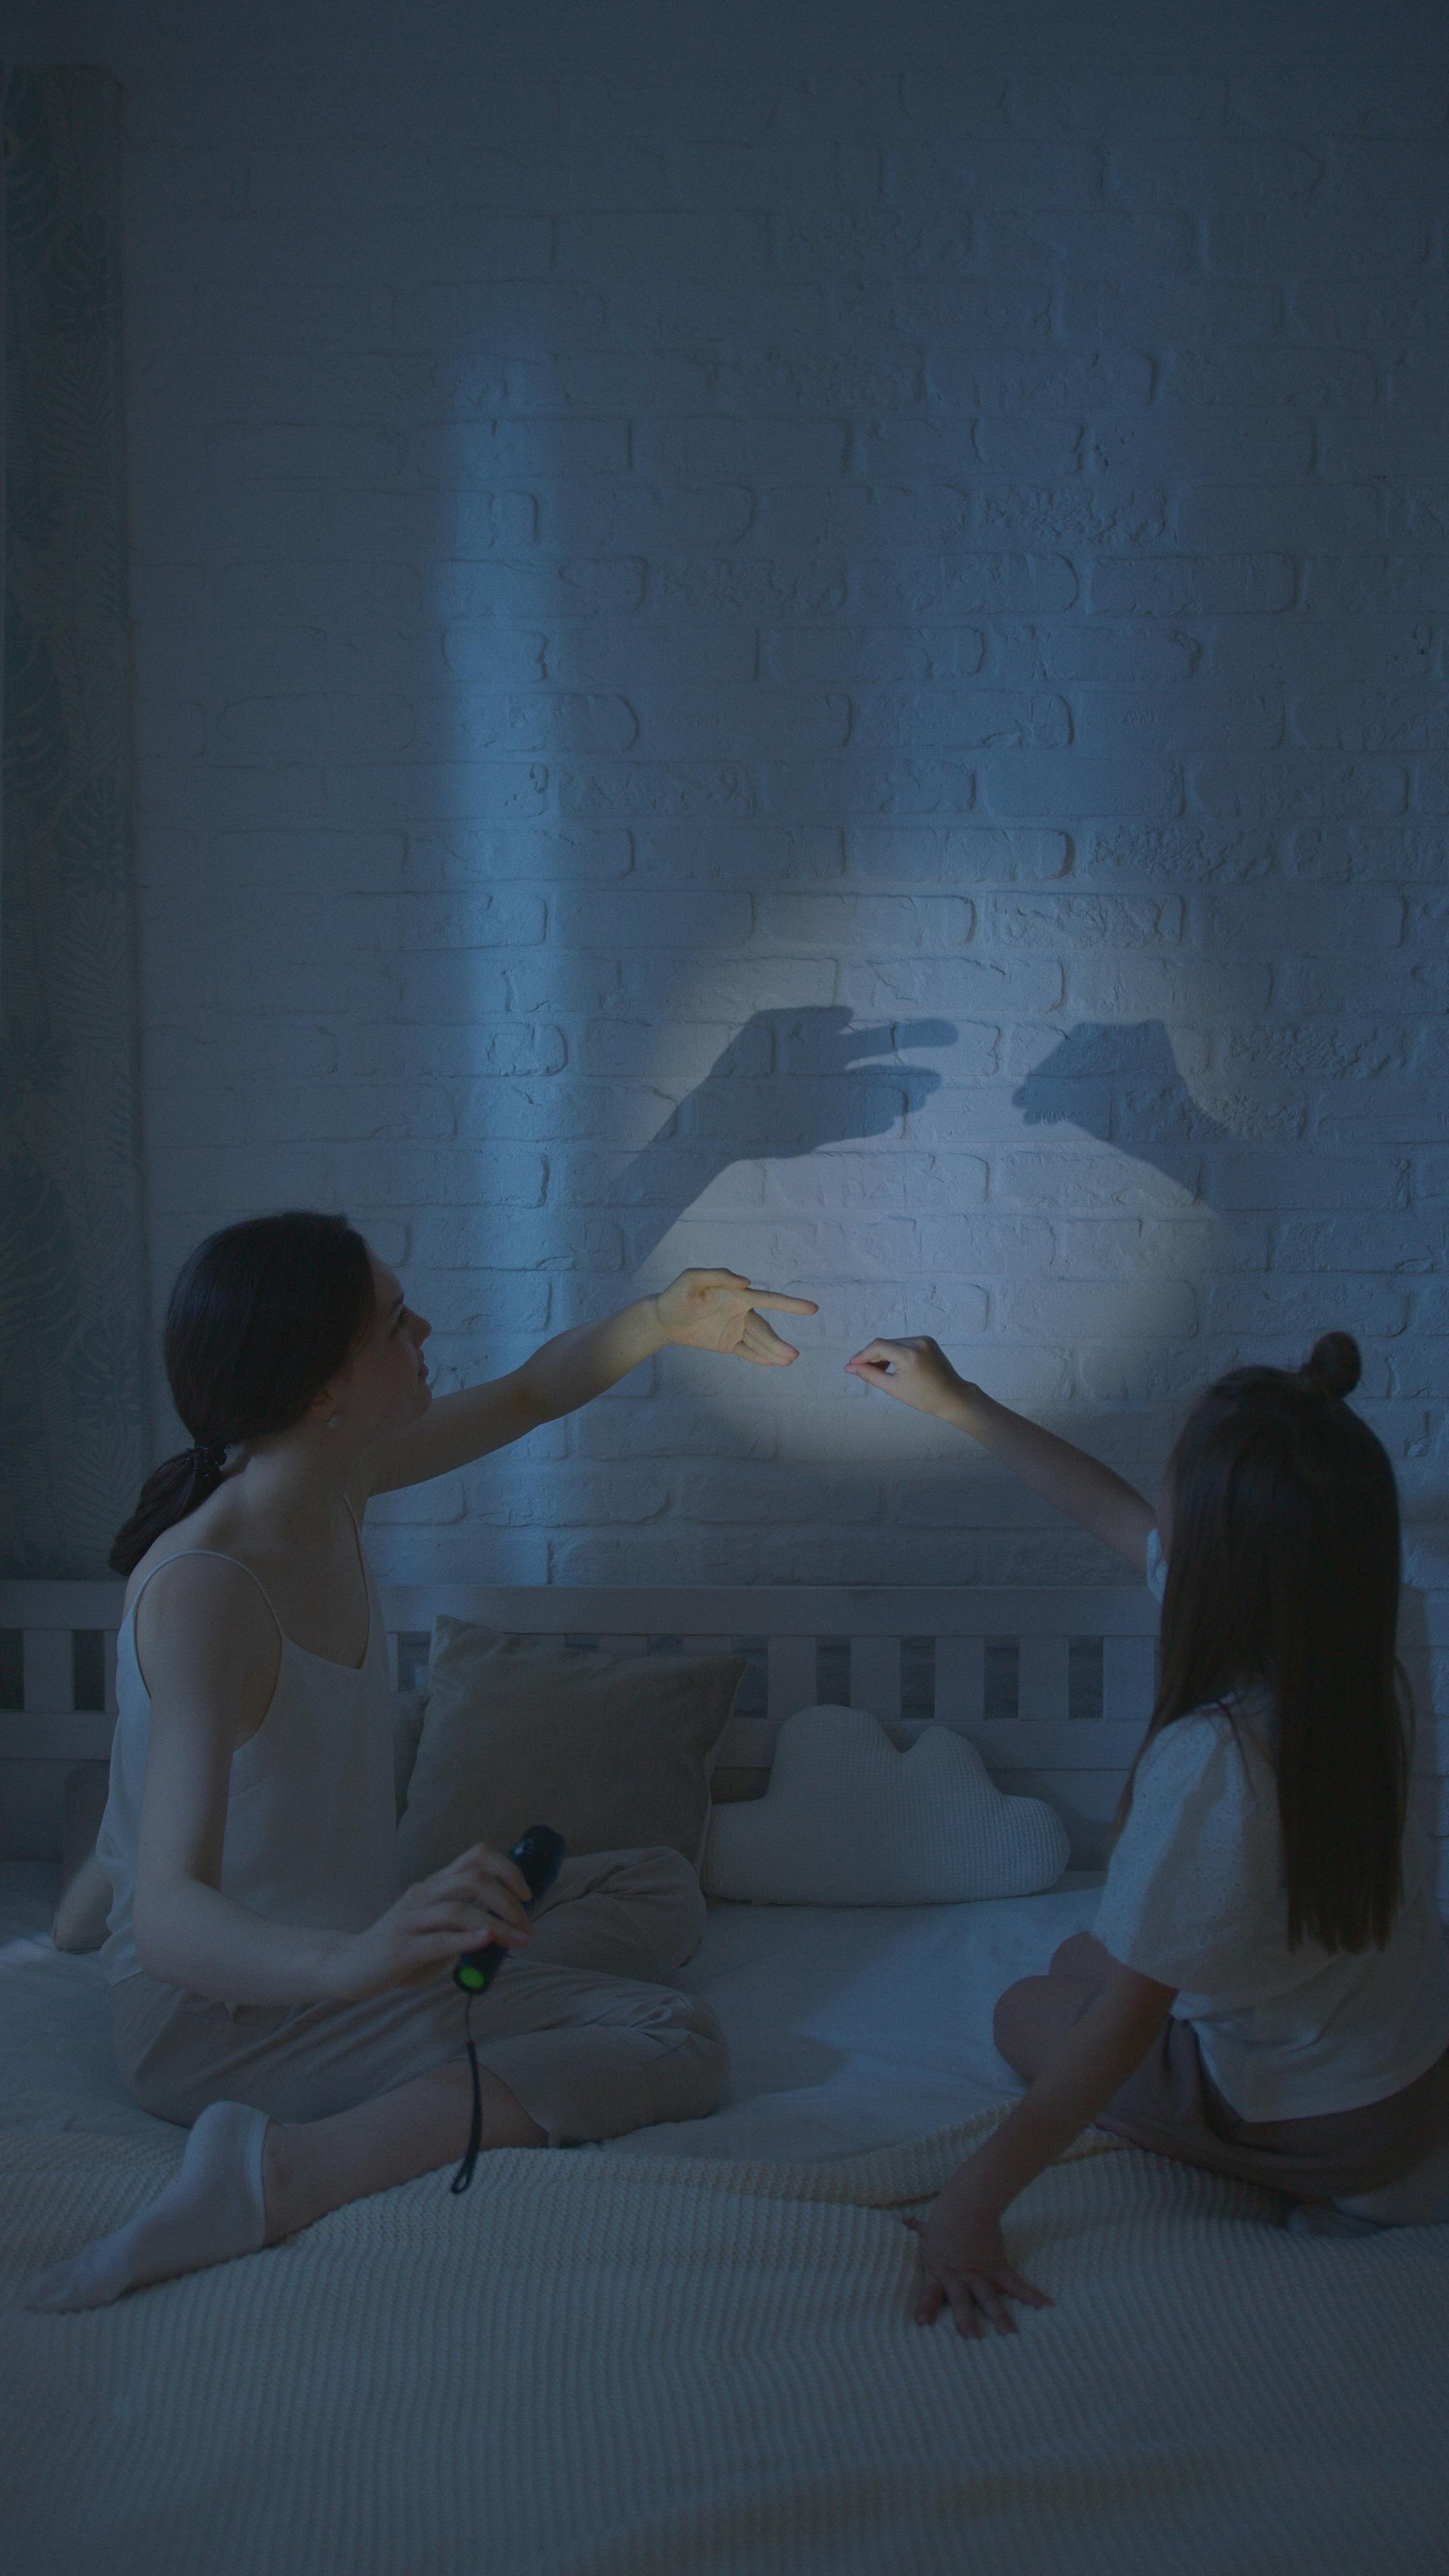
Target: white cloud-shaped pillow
{"type": "Point", "coordinates": [849, 1820]}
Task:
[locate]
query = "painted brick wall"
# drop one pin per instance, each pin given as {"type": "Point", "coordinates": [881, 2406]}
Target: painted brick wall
{"type": "Point", "coordinates": [836, 672]}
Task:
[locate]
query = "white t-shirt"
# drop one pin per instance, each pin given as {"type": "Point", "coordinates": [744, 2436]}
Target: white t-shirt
{"type": "Point", "coordinates": [1196, 1897]}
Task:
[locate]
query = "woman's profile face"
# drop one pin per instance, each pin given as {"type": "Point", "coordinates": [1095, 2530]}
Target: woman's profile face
{"type": "Point", "coordinates": [385, 1383]}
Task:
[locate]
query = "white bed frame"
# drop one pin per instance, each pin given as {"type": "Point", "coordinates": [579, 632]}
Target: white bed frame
{"type": "Point", "coordinates": [1078, 1763]}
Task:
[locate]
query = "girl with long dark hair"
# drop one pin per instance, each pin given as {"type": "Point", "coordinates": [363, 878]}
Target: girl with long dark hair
{"type": "Point", "coordinates": [1265, 1990]}
{"type": "Point", "coordinates": [275, 1990]}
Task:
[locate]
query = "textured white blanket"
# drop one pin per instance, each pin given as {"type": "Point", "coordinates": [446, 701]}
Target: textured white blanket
{"type": "Point", "coordinates": [594, 2367]}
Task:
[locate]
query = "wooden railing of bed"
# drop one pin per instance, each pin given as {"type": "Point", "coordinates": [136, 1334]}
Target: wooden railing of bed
{"type": "Point", "coordinates": [1053, 1684]}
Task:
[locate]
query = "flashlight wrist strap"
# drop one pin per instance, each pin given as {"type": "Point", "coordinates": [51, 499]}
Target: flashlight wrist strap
{"type": "Point", "coordinates": [464, 2174]}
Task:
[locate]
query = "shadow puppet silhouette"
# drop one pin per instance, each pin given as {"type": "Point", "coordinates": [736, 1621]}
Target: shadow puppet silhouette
{"type": "Point", "coordinates": [1119, 1082]}
{"type": "Point", "coordinates": [788, 1082]}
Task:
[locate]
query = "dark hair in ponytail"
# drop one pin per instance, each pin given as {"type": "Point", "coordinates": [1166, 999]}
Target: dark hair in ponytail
{"type": "Point", "coordinates": [1285, 1570]}
{"type": "Point", "coordinates": [262, 1314]}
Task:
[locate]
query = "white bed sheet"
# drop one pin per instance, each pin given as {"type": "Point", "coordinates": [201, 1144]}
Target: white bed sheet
{"type": "Point", "coordinates": [850, 2027]}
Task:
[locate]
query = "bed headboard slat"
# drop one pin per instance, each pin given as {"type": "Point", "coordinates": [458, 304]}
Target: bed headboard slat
{"type": "Point", "coordinates": [790, 1677]}
{"type": "Point", "coordinates": [875, 1675]}
{"type": "Point", "coordinates": [1043, 1671]}
{"type": "Point", "coordinates": [1029, 1738]}
{"type": "Point", "coordinates": [960, 1680]}
{"type": "Point", "coordinates": [1129, 1675]}
{"type": "Point", "coordinates": [49, 1669]}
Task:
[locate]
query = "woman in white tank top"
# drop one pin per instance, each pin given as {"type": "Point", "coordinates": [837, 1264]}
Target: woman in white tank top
{"type": "Point", "coordinates": [311, 1832]}
{"type": "Point", "coordinates": [274, 1989]}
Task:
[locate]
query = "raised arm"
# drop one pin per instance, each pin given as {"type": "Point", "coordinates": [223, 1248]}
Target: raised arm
{"type": "Point", "coordinates": [917, 1372]}
{"type": "Point", "coordinates": [711, 1310]}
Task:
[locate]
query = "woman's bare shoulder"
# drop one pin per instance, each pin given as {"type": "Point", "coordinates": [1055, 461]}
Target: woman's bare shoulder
{"type": "Point", "coordinates": [206, 1549]}
{"type": "Point", "coordinates": [194, 1602]}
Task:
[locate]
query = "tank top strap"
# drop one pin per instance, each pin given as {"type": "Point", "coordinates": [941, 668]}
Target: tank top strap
{"type": "Point", "coordinates": [222, 1559]}
{"type": "Point", "coordinates": [376, 1628]}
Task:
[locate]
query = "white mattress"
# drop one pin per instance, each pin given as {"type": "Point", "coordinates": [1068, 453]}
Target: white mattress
{"type": "Point", "coordinates": [850, 2027]}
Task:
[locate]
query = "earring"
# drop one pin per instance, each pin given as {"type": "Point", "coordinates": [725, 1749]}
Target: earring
{"type": "Point", "coordinates": [331, 1422]}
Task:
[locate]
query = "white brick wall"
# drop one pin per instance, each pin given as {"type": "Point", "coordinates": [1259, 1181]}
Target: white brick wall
{"type": "Point", "coordinates": [840, 673]}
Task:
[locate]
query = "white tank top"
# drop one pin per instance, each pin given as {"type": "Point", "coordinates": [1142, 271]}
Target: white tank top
{"type": "Point", "coordinates": [311, 1818]}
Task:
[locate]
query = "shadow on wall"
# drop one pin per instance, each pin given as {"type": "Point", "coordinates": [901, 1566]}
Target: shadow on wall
{"type": "Point", "coordinates": [789, 1082]}
{"type": "Point", "coordinates": [792, 1081]}
{"type": "Point", "coordinates": [1121, 1084]}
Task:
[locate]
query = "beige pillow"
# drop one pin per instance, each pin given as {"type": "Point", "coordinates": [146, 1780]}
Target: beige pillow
{"type": "Point", "coordinates": [614, 1751]}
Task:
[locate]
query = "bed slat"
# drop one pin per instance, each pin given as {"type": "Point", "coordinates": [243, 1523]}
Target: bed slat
{"type": "Point", "coordinates": [735, 1610]}
{"type": "Point", "coordinates": [1041, 1687]}
{"type": "Point", "coordinates": [1129, 1677]}
{"type": "Point", "coordinates": [960, 1681]}
{"type": "Point", "coordinates": [790, 1678]}
{"type": "Point", "coordinates": [77, 1735]}
{"type": "Point", "coordinates": [49, 1669]}
{"type": "Point", "coordinates": [875, 1675]}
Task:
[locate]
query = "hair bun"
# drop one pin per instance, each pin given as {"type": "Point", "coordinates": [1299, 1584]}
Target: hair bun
{"type": "Point", "coordinates": [1333, 1366]}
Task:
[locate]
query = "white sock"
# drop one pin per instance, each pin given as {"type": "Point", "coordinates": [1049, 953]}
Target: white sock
{"type": "Point", "coordinates": [213, 2210]}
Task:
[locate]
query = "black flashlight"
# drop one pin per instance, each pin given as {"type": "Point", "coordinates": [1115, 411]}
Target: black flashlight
{"type": "Point", "coordinates": [537, 1853]}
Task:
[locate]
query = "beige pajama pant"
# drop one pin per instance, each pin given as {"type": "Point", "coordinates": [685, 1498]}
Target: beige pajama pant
{"type": "Point", "coordinates": [577, 2026]}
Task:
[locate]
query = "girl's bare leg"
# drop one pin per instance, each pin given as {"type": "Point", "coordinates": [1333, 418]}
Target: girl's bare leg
{"type": "Point", "coordinates": [1034, 2014]}
{"type": "Point", "coordinates": [311, 2166]}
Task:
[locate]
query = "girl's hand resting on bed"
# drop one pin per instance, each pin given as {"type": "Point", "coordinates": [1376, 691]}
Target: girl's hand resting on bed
{"type": "Point", "coordinates": [962, 2263]}
{"type": "Point", "coordinates": [479, 1897]}
{"type": "Point", "coordinates": [915, 1371]}
{"type": "Point", "coordinates": [718, 1310]}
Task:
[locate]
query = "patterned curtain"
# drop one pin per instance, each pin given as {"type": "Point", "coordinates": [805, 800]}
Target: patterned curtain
{"type": "Point", "coordinates": [73, 1411]}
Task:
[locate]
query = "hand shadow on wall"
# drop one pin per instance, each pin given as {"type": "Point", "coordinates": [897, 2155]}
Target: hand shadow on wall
{"type": "Point", "coordinates": [789, 1082]}
{"type": "Point", "coordinates": [1120, 1083]}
